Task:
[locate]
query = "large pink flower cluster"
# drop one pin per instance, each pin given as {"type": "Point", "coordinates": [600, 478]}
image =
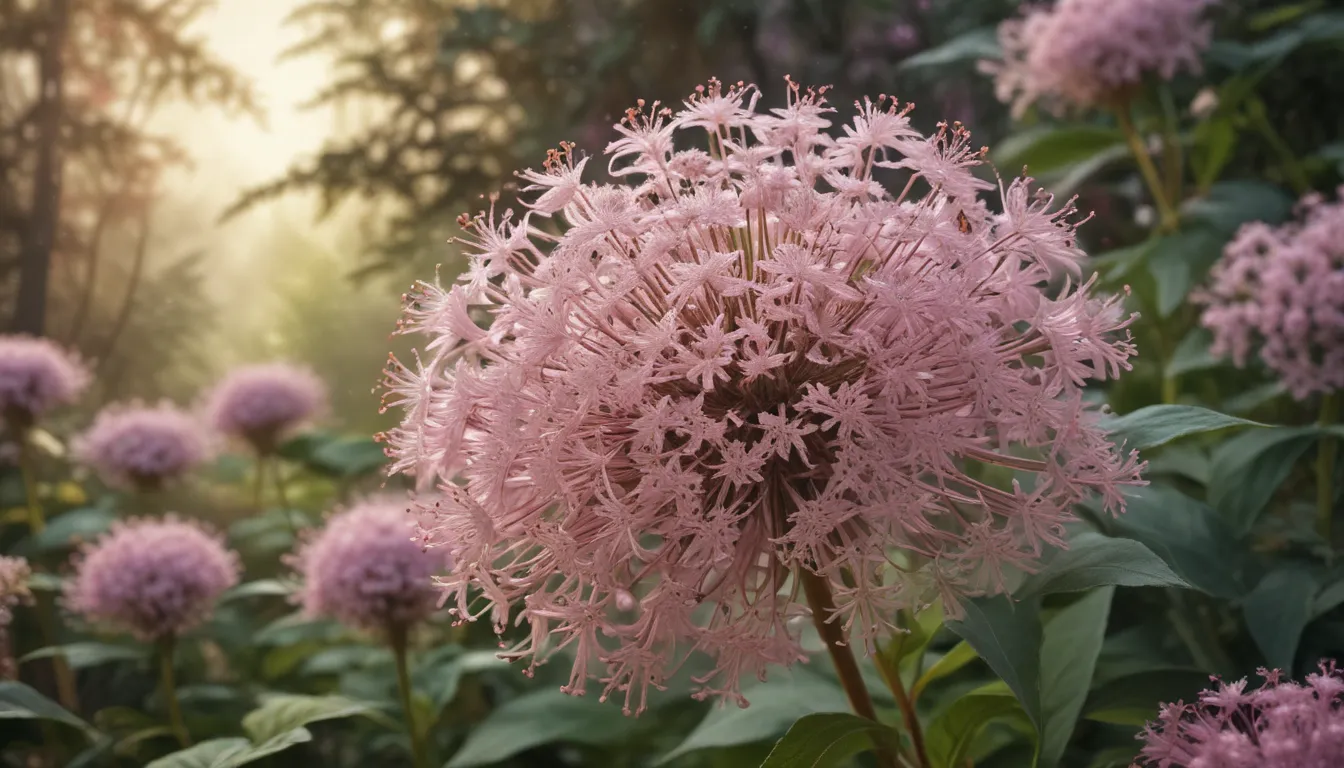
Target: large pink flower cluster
{"type": "Point", "coordinates": [155, 578]}
{"type": "Point", "coordinates": [1279, 725]}
{"type": "Point", "coordinates": [366, 569]}
{"type": "Point", "coordinates": [742, 362]}
{"type": "Point", "coordinates": [137, 446]}
{"type": "Point", "coordinates": [1086, 53]}
{"type": "Point", "coordinates": [262, 403]}
{"type": "Point", "coordinates": [1280, 291]}
{"type": "Point", "coordinates": [36, 376]}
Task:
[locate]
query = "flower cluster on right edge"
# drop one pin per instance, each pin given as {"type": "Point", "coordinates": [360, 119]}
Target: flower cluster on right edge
{"type": "Point", "coordinates": [1282, 724]}
{"type": "Point", "coordinates": [1278, 292]}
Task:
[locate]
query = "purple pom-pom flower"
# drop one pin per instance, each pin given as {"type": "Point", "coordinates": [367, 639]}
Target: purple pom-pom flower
{"type": "Point", "coordinates": [263, 403]}
{"type": "Point", "coordinates": [154, 578]}
{"type": "Point", "coordinates": [141, 447]}
{"type": "Point", "coordinates": [366, 569]}
{"type": "Point", "coordinates": [36, 376]}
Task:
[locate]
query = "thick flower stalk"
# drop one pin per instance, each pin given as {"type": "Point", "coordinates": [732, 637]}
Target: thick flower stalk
{"type": "Point", "coordinates": [765, 358]}
{"type": "Point", "coordinates": [1282, 724]}
{"type": "Point", "coordinates": [262, 404]}
{"type": "Point", "coordinates": [153, 578]}
{"type": "Point", "coordinates": [1094, 53]}
{"type": "Point", "coordinates": [141, 447]}
{"type": "Point", "coordinates": [35, 377]}
{"type": "Point", "coordinates": [366, 569]}
{"type": "Point", "coordinates": [1278, 293]}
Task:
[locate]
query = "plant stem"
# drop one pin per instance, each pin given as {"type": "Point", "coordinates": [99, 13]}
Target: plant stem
{"type": "Point", "coordinates": [259, 484]}
{"type": "Point", "coordinates": [169, 684]}
{"type": "Point", "coordinates": [1147, 169]}
{"type": "Point", "coordinates": [1297, 178]}
{"type": "Point", "coordinates": [66, 690]}
{"type": "Point", "coordinates": [851, 679]}
{"type": "Point", "coordinates": [1325, 469]}
{"type": "Point", "coordinates": [397, 637]}
{"type": "Point", "coordinates": [278, 471]}
{"type": "Point", "coordinates": [891, 672]}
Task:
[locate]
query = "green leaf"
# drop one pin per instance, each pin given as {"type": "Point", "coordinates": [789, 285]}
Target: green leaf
{"type": "Point", "coordinates": [231, 752]}
{"type": "Point", "coordinates": [775, 705]}
{"type": "Point", "coordinates": [1134, 699]}
{"type": "Point", "coordinates": [282, 713]}
{"type": "Point", "coordinates": [1277, 611]}
{"type": "Point", "coordinates": [1192, 354]}
{"type": "Point", "coordinates": [825, 741]}
{"type": "Point", "coordinates": [1215, 139]}
{"type": "Point", "coordinates": [20, 702]}
{"type": "Point", "coordinates": [349, 457]}
{"type": "Point", "coordinates": [912, 643]}
{"type": "Point", "coordinates": [1156, 425]}
{"type": "Point", "coordinates": [1248, 469]}
{"type": "Point", "coordinates": [344, 658]}
{"type": "Point", "coordinates": [1229, 204]}
{"type": "Point", "coordinates": [961, 654]}
{"type": "Point", "coordinates": [949, 737]}
{"type": "Point", "coordinates": [538, 718]}
{"type": "Point", "coordinates": [1050, 148]}
{"type": "Point", "coordinates": [1008, 637]}
{"type": "Point", "coordinates": [441, 680]}
{"type": "Point", "coordinates": [1093, 560]}
{"type": "Point", "coordinates": [1191, 538]}
{"type": "Point", "coordinates": [1268, 53]}
{"type": "Point", "coordinates": [259, 588]}
{"type": "Point", "coordinates": [972, 46]}
{"type": "Point", "coordinates": [1068, 658]}
{"type": "Point", "coordinates": [74, 527]}
{"type": "Point", "coordinates": [84, 655]}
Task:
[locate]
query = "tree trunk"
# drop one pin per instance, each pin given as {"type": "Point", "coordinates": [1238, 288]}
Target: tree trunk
{"type": "Point", "coordinates": [35, 261]}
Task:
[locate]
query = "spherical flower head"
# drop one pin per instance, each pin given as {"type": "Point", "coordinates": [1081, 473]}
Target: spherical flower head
{"type": "Point", "coordinates": [14, 573]}
{"type": "Point", "coordinates": [745, 362]}
{"type": "Point", "coordinates": [140, 447]}
{"type": "Point", "coordinates": [263, 403]}
{"type": "Point", "coordinates": [1279, 292]}
{"type": "Point", "coordinates": [1281, 724]}
{"type": "Point", "coordinates": [36, 376]}
{"type": "Point", "coordinates": [1092, 53]}
{"type": "Point", "coordinates": [366, 569]}
{"type": "Point", "coordinates": [153, 577]}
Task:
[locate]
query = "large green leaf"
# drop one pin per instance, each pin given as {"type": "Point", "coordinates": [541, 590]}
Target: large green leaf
{"type": "Point", "coordinates": [71, 528]}
{"type": "Point", "coordinates": [970, 47]}
{"type": "Point", "coordinates": [1007, 636]}
{"type": "Point", "coordinates": [84, 655]}
{"type": "Point", "coordinates": [949, 736]}
{"type": "Point", "coordinates": [1155, 425]}
{"type": "Point", "coordinates": [440, 678]}
{"type": "Point", "coordinates": [1277, 611]}
{"type": "Point", "coordinates": [1093, 560]}
{"type": "Point", "coordinates": [282, 713]}
{"type": "Point", "coordinates": [1192, 354]}
{"type": "Point", "coordinates": [350, 457]}
{"type": "Point", "coordinates": [1229, 204]}
{"type": "Point", "coordinates": [21, 702]}
{"type": "Point", "coordinates": [1248, 469]}
{"type": "Point", "coordinates": [775, 705]}
{"type": "Point", "coordinates": [1190, 537]}
{"type": "Point", "coordinates": [825, 740]}
{"type": "Point", "coordinates": [540, 718]}
{"type": "Point", "coordinates": [231, 752]}
{"type": "Point", "coordinates": [259, 588]}
{"type": "Point", "coordinates": [1068, 658]}
{"type": "Point", "coordinates": [1267, 53]}
{"type": "Point", "coordinates": [1050, 148]}
{"type": "Point", "coordinates": [1134, 699]}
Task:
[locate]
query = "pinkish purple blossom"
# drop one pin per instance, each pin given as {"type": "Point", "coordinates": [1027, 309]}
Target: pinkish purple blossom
{"type": "Point", "coordinates": [14, 573]}
{"type": "Point", "coordinates": [154, 578]}
{"type": "Point", "coordinates": [1093, 53]}
{"type": "Point", "coordinates": [1279, 292]}
{"type": "Point", "coordinates": [1282, 724]}
{"type": "Point", "coordinates": [141, 447]}
{"type": "Point", "coordinates": [36, 375]}
{"type": "Point", "coordinates": [746, 360]}
{"type": "Point", "coordinates": [264, 403]}
{"type": "Point", "coordinates": [366, 569]}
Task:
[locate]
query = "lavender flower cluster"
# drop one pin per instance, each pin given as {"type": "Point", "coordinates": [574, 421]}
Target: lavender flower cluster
{"type": "Point", "coordinates": [36, 375]}
{"type": "Point", "coordinates": [263, 403]}
{"type": "Point", "coordinates": [1279, 291]}
{"type": "Point", "coordinates": [142, 447]}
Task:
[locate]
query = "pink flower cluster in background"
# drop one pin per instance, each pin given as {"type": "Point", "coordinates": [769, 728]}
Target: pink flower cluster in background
{"type": "Point", "coordinates": [1086, 53]}
{"type": "Point", "coordinates": [36, 375]}
{"type": "Point", "coordinates": [1282, 724]}
{"type": "Point", "coordinates": [781, 350]}
{"type": "Point", "coordinates": [263, 403]}
{"type": "Point", "coordinates": [154, 578]}
{"type": "Point", "coordinates": [1278, 292]}
{"type": "Point", "coordinates": [366, 569]}
{"type": "Point", "coordinates": [142, 447]}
